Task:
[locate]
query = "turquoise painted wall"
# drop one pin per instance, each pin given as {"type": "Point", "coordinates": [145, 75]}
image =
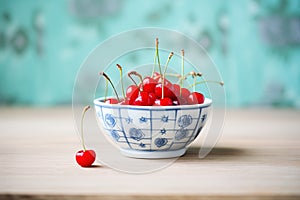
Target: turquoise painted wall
{"type": "Point", "coordinates": [254, 43]}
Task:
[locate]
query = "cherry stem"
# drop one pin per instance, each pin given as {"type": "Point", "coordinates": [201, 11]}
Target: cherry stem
{"type": "Point", "coordinates": [129, 75]}
{"type": "Point", "coordinates": [154, 65]}
{"type": "Point", "coordinates": [163, 78]}
{"type": "Point", "coordinates": [201, 82]}
{"type": "Point", "coordinates": [200, 75]}
{"type": "Point", "coordinates": [191, 74]}
{"type": "Point", "coordinates": [121, 78]}
{"type": "Point", "coordinates": [107, 78]}
{"type": "Point", "coordinates": [182, 72]}
{"type": "Point", "coordinates": [81, 125]}
{"type": "Point", "coordinates": [167, 63]}
{"type": "Point", "coordinates": [138, 75]}
{"type": "Point", "coordinates": [157, 55]}
{"type": "Point", "coordinates": [194, 75]}
{"type": "Point", "coordinates": [174, 75]}
{"type": "Point", "coordinates": [186, 75]}
{"type": "Point", "coordinates": [106, 89]}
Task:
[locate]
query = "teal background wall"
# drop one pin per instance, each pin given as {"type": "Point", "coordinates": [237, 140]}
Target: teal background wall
{"type": "Point", "coordinates": [254, 43]}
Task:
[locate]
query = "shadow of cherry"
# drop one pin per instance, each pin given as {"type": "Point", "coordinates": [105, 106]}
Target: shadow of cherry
{"type": "Point", "coordinates": [95, 166]}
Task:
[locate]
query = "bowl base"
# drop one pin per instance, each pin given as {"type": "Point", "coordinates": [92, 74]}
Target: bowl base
{"type": "Point", "coordinates": [152, 154]}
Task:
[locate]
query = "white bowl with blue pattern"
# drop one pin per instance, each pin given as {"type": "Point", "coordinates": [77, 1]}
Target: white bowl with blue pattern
{"type": "Point", "coordinates": [152, 131]}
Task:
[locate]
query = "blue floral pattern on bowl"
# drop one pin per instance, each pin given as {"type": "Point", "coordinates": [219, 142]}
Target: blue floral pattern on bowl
{"type": "Point", "coordinates": [159, 142]}
{"type": "Point", "coordinates": [185, 121]}
{"type": "Point", "coordinates": [110, 120]}
{"type": "Point", "coordinates": [136, 134]}
{"type": "Point", "coordinates": [181, 133]}
{"type": "Point", "coordinates": [152, 129]}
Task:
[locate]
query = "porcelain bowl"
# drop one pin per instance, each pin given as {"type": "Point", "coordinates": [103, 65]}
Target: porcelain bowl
{"type": "Point", "coordinates": [152, 131]}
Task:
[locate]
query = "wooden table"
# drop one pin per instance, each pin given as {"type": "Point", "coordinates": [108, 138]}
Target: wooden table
{"type": "Point", "coordinates": [258, 156]}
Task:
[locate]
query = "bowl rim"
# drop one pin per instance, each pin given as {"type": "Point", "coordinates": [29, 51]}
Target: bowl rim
{"type": "Point", "coordinates": [99, 102]}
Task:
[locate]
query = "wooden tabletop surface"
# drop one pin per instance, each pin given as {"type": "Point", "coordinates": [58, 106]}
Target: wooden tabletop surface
{"type": "Point", "coordinates": [258, 156]}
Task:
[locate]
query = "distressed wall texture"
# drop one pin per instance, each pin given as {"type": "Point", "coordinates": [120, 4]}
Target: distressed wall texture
{"type": "Point", "coordinates": [254, 43]}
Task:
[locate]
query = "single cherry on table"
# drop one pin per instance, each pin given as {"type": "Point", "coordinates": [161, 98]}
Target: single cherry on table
{"type": "Point", "coordinates": [85, 157]}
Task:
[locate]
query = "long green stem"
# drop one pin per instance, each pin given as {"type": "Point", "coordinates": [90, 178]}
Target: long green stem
{"type": "Point", "coordinates": [154, 65]}
{"type": "Point", "coordinates": [182, 72]}
{"type": "Point", "coordinates": [81, 125]}
{"type": "Point", "coordinates": [167, 63]}
{"type": "Point", "coordinates": [157, 55]}
{"type": "Point", "coordinates": [201, 82]}
{"type": "Point", "coordinates": [194, 75]}
{"type": "Point", "coordinates": [105, 76]}
{"type": "Point", "coordinates": [121, 78]}
{"type": "Point", "coordinates": [106, 89]}
{"type": "Point", "coordinates": [164, 74]}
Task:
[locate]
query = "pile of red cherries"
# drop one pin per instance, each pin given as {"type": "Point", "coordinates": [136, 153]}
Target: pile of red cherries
{"type": "Point", "coordinates": [150, 93]}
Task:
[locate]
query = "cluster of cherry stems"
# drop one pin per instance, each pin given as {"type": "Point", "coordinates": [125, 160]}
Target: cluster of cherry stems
{"type": "Point", "coordinates": [157, 90]}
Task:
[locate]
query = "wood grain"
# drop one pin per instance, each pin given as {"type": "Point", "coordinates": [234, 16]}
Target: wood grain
{"type": "Point", "coordinates": [257, 157]}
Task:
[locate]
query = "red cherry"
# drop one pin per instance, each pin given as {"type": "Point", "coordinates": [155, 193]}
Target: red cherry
{"type": "Point", "coordinates": [131, 93]}
{"type": "Point", "coordinates": [111, 101]}
{"type": "Point", "coordinates": [195, 98]}
{"type": "Point", "coordinates": [176, 90]}
{"type": "Point", "coordinates": [183, 101]}
{"type": "Point", "coordinates": [142, 99]}
{"type": "Point", "coordinates": [167, 91]}
{"type": "Point", "coordinates": [167, 83]}
{"type": "Point", "coordinates": [85, 158]}
{"type": "Point", "coordinates": [149, 84]}
{"type": "Point", "coordinates": [180, 101]}
{"type": "Point", "coordinates": [132, 90]}
{"type": "Point", "coordinates": [152, 98]}
{"type": "Point", "coordinates": [184, 91]}
{"type": "Point", "coordinates": [157, 78]}
{"type": "Point", "coordinates": [124, 102]}
{"type": "Point", "coordinates": [163, 102]}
